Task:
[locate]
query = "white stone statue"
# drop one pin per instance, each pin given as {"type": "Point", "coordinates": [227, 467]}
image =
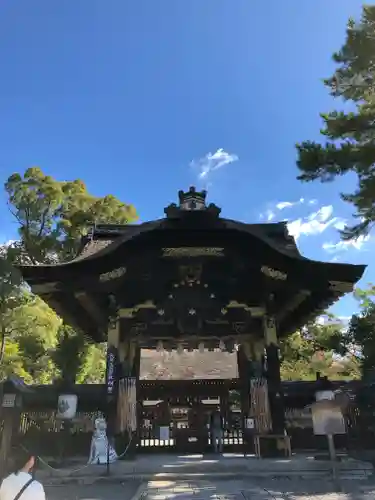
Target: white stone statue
{"type": "Point", "coordinates": [99, 445]}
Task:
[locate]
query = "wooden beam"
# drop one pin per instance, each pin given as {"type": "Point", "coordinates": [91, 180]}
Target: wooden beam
{"type": "Point", "coordinates": [43, 288]}
{"type": "Point", "coordinates": [93, 308]}
{"type": "Point", "coordinates": [74, 315]}
{"type": "Point", "coordinates": [292, 304]}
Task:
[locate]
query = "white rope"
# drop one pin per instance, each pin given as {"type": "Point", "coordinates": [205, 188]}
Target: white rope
{"type": "Point", "coordinates": [81, 468]}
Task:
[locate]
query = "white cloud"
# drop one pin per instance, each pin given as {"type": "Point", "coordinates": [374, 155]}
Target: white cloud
{"type": "Point", "coordinates": [5, 245]}
{"type": "Point", "coordinates": [340, 321]}
{"type": "Point", "coordinates": [288, 204]}
{"type": "Point", "coordinates": [342, 246]}
{"type": "Point", "coordinates": [322, 215]}
{"type": "Point", "coordinates": [344, 319]}
{"type": "Point", "coordinates": [340, 224]}
{"type": "Point", "coordinates": [315, 223]}
{"type": "Point", "coordinates": [284, 204]}
{"type": "Point", "coordinates": [211, 162]}
{"type": "Point", "coordinates": [270, 215]}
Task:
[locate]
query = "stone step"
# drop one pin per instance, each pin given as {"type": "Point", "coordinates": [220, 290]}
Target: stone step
{"type": "Point", "coordinates": [271, 475]}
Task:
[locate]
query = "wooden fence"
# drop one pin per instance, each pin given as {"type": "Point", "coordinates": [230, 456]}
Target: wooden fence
{"type": "Point", "coordinates": [45, 435]}
{"type": "Point", "coordinates": [38, 429]}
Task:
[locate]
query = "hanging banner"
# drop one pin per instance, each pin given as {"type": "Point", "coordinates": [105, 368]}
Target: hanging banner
{"type": "Point", "coordinates": [127, 404]}
{"type": "Point", "coordinates": [111, 370]}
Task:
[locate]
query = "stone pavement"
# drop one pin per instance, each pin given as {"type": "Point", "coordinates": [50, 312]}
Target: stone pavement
{"type": "Point", "coordinates": [124, 491]}
{"type": "Point", "coordinates": [197, 467]}
{"type": "Point", "coordinates": [265, 489]}
{"type": "Point", "coordinates": [259, 490]}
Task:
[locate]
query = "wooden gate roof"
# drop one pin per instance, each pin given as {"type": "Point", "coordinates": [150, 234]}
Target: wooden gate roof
{"type": "Point", "coordinates": [151, 269]}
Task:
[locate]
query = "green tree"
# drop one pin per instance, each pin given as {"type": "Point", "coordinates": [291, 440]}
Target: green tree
{"type": "Point", "coordinates": [54, 215]}
{"type": "Point", "coordinates": [12, 363]}
{"type": "Point", "coordinates": [350, 145]}
{"type": "Point", "coordinates": [361, 332]}
{"type": "Point", "coordinates": [10, 298]}
{"type": "Point", "coordinates": [69, 354]}
{"type": "Point", "coordinates": [94, 366]}
{"type": "Point", "coordinates": [31, 328]}
{"type": "Point", "coordinates": [318, 348]}
{"type": "Point", "coordinates": [76, 360]}
{"type": "Point", "coordinates": [365, 296]}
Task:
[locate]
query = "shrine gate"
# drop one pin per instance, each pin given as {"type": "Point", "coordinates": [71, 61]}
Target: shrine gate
{"type": "Point", "coordinates": [191, 281]}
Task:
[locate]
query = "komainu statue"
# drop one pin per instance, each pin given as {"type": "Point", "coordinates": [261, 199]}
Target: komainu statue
{"type": "Point", "coordinates": [100, 449]}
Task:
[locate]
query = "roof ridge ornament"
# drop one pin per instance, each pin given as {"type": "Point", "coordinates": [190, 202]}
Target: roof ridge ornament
{"type": "Point", "coordinates": [191, 201]}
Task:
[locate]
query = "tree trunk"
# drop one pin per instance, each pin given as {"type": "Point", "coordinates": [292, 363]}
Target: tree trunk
{"type": "Point", "coordinates": [2, 346]}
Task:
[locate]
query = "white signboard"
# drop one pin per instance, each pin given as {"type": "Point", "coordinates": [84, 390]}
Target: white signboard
{"type": "Point", "coordinates": [324, 395]}
{"type": "Point", "coordinates": [164, 433]}
{"type": "Point", "coordinates": [9, 401]}
{"type": "Point", "coordinates": [249, 423]}
{"type": "Point", "coordinates": [327, 418]}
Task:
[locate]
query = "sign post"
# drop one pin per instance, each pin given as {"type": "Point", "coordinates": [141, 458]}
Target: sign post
{"type": "Point", "coordinates": [328, 421]}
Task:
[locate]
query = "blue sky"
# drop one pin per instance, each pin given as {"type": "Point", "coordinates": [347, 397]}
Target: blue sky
{"type": "Point", "coordinates": [142, 98]}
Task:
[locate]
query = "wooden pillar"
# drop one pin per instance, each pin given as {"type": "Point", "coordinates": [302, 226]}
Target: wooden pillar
{"type": "Point", "coordinates": [6, 440]}
{"type": "Point", "coordinates": [248, 370]}
{"type": "Point", "coordinates": [275, 392]}
{"type": "Point", "coordinates": [224, 403]}
{"type": "Point", "coordinates": [244, 375]}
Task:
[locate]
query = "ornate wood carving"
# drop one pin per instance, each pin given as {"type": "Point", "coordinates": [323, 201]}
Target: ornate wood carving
{"type": "Point", "coordinates": [112, 275]}
{"type": "Point", "coordinates": [270, 322]}
{"type": "Point", "coordinates": [274, 274]}
{"type": "Point", "coordinates": [130, 312]}
{"type": "Point", "coordinates": [217, 322]}
{"type": "Point", "coordinates": [340, 286]}
{"type": "Point", "coordinates": [191, 201]}
{"type": "Point", "coordinates": [239, 327]}
{"type": "Point", "coordinates": [46, 287]}
{"type": "Point", "coordinates": [190, 274]}
{"type": "Point", "coordinates": [149, 333]}
{"type": "Point", "coordinates": [138, 328]}
{"type": "Point", "coordinates": [180, 252]}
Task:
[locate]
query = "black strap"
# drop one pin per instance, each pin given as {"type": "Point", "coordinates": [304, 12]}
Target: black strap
{"type": "Point", "coordinates": [24, 487]}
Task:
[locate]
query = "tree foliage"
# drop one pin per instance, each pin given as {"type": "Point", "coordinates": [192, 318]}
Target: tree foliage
{"type": "Point", "coordinates": [39, 348]}
{"type": "Point", "coordinates": [30, 329]}
{"type": "Point", "coordinates": [69, 355]}
{"type": "Point", "coordinates": [318, 348]}
{"type": "Point", "coordinates": [76, 360]}
{"type": "Point", "coordinates": [350, 145]}
{"type": "Point", "coordinates": [10, 298]}
{"type": "Point", "coordinates": [54, 215]}
{"type": "Point", "coordinates": [361, 332]}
